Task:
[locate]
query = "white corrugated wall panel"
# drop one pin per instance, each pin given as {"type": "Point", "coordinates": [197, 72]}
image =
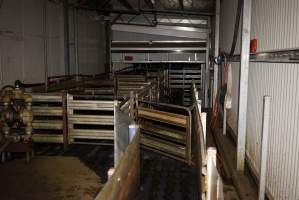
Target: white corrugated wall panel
{"type": "Point", "coordinates": [275, 24]}
{"type": "Point", "coordinates": [280, 81]}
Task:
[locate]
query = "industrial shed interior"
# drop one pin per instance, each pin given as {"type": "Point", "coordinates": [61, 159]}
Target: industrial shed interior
{"type": "Point", "coordinates": [149, 99]}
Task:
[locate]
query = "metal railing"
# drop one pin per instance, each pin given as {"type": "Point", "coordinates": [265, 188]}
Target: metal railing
{"type": "Point", "coordinates": [49, 118]}
{"type": "Point", "coordinates": [124, 182]}
{"type": "Point", "coordinates": [205, 158]}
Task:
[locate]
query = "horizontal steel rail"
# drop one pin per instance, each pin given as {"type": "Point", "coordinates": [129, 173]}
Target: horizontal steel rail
{"type": "Point", "coordinates": [85, 113]}
{"type": "Point", "coordinates": [49, 113]}
{"type": "Point", "coordinates": [273, 56]}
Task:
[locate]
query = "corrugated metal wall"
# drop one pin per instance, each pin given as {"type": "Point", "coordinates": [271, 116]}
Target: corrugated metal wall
{"type": "Point", "coordinates": [22, 46]}
{"type": "Point", "coordinates": [91, 43]}
{"type": "Point", "coordinates": [275, 25]}
{"type": "Point", "coordinates": [21, 41]}
{"type": "Point", "coordinates": [280, 81]}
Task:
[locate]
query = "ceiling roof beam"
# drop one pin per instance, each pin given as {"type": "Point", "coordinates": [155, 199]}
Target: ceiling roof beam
{"type": "Point", "coordinates": [126, 4]}
{"type": "Point", "coordinates": [182, 32]}
{"type": "Point", "coordinates": [146, 11]}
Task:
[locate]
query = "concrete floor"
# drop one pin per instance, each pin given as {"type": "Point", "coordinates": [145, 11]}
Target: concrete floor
{"type": "Point", "coordinates": [48, 178]}
{"type": "Point", "coordinates": [80, 173]}
{"type": "Point", "coordinates": [54, 174]}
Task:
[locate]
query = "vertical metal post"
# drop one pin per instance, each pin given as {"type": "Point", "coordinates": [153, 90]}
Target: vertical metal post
{"type": "Point", "coordinates": [204, 126]}
{"type": "Point", "coordinates": [76, 42]}
{"type": "Point", "coordinates": [264, 147]}
{"type": "Point", "coordinates": [116, 122]}
{"type": "Point", "coordinates": [132, 104]}
{"type": "Point", "coordinates": [211, 173]}
{"type": "Point", "coordinates": [207, 68]}
{"type": "Point", "coordinates": [243, 90]}
{"type": "Point", "coordinates": [66, 37]}
{"type": "Point", "coordinates": [108, 45]}
{"type": "Point", "coordinates": [216, 49]}
{"type": "Point", "coordinates": [65, 124]}
{"type": "Point", "coordinates": [45, 33]}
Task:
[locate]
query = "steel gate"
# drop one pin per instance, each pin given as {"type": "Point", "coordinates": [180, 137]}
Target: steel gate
{"type": "Point", "coordinates": [166, 129]}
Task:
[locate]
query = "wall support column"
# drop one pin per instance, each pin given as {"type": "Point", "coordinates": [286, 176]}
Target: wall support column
{"type": "Point", "coordinates": [66, 37]}
{"type": "Point", "coordinates": [45, 35]}
{"type": "Point", "coordinates": [207, 69]}
{"type": "Point", "coordinates": [76, 37]}
{"type": "Point", "coordinates": [108, 33]}
{"type": "Point", "coordinates": [216, 49]}
{"type": "Point", "coordinates": [243, 90]}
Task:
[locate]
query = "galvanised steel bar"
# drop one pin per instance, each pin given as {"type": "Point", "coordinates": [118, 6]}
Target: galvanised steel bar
{"type": "Point", "coordinates": [243, 90]}
{"type": "Point", "coordinates": [264, 147]}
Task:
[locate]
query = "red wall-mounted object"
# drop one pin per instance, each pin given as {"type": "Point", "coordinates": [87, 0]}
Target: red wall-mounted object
{"type": "Point", "coordinates": [253, 46]}
{"type": "Point", "coordinates": [129, 58]}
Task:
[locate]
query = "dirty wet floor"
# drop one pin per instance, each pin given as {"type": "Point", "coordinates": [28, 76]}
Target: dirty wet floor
{"type": "Point", "coordinates": [54, 174]}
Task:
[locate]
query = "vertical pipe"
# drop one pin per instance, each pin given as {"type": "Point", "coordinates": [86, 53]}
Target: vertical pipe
{"type": "Point", "coordinates": [207, 69]}
{"type": "Point", "coordinates": [243, 90]}
{"type": "Point", "coordinates": [76, 42]}
{"type": "Point", "coordinates": [264, 147]}
{"type": "Point", "coordinates": [216, 49]}
{"type": "Point", "coordinates": [66, 37]}
{"type": "Point", "coordinates": [64, 117]}
{"type": "Point", "coordinates": [45, 44]}
{"type": "Point", "coordinates": [116, 123]}
{"type": "Point", "coordinates": [108, 45]}
{"type": "Point", "coordinates": [132, 101]}
{"type": "Point", "coordinates": [204, 127]}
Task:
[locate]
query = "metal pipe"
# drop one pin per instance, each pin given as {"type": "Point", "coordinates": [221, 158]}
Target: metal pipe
{"type": "Point", "coordinates": [45, 44]}
{"type": "Point", "coordinates": [216, 50]}
{"type": "Point", "coordinates": [146, 11]}
{"type": "Point", "coordinates": [236, 30]}
{"type": "Point", "coordinates": [108, 10]}
{"type": "Point", "coordinates": [207, 72]}
{"type": "Point", "coordinates": [204, 127]}
{"type": "Point", "coordinates": [149, 11]}
{"type": "Point", "coordinates": [264, 147]}
{"type": "Point", "coordinates": [66, 37]}
{"type": "Point", "coordinates": [108, 45]}
{"type": "Point", "coordinates": [76, 41]}
{"type": "Point", "coordinates": [243, 90]}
